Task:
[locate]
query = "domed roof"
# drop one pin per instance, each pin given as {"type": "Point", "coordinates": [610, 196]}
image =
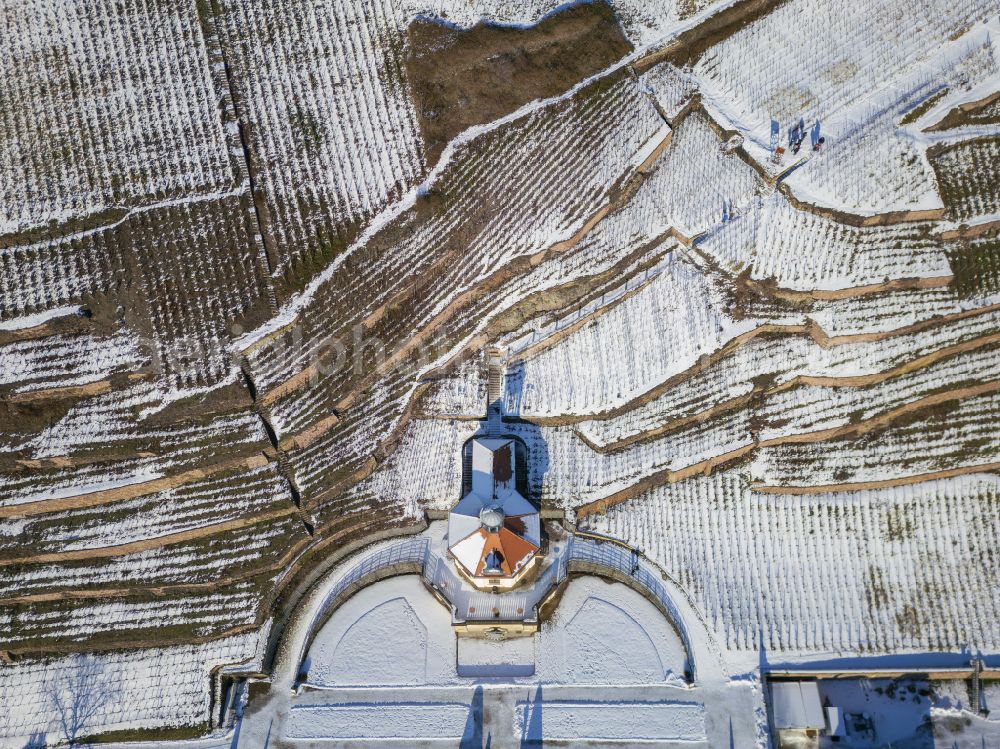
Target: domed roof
{"type": "Point", "coordinates": [491, 518]}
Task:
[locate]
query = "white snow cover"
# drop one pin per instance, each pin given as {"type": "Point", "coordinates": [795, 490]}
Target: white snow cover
{"type": "Point", "coordinates": [566, 151]}
{"type": "Point", "coordinates": [61, 361]}
{"type": "Point", "coordinates": [76, 621]}
{"type": "Point", "coordinates": [801, 250]}
{"type": "Point", "coordinates": [158, 687]}
{"type": "Point", "coordinates": [610, 721]}
{"type": "Point", "coordinates": [602, 633]}
{"type": "Point", "coordinates": [872, 163]}
{"type": "Point", "coordinates": [416, 642]}
{"type": "Point", "coordinates": [670, 86]}
{"type": "Point", "coordinates": [214, 499]}
{"type": "Point", "coordinates": [417, 477]}
{"type": "Point", "coordinates": [886, 570]}
{"type": "Point", "coordinates": [855, 70]}
{"type": "Point", "coordinates": [812, 407]}
{"type": "Point", "coordinates": [370, 722]}
{"type": "Point", "coordinates": [861, 571]}
{"type": "Point", "coordinates": [660, 330]}
{"type": "Point", "coordinates": [796, 705]}
{"type": "Point", "coordinates": [608, 634]}
{"type": "Point", "coordinates": [30, 321]}
{"type": "Point", "coordinates": [115, 106]}
{"type": "Point", "coordinates": [368, 156]}
{"type": "Point", "coordinates": [695, 185]}
{"type": "Point", "coordinates": [967, 436]}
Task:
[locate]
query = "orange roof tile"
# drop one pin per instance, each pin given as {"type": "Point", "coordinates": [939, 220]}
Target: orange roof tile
{"type": "Point", "coordinates": [511, 548]}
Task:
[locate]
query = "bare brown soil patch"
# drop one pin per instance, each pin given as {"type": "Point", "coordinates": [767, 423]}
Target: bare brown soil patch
{"type": "Point", "coordinates": [29, 417]}
{"type": "Point", "coordinates": [980, 112]}
{"type": "Point", "coordinates": [459, 78]}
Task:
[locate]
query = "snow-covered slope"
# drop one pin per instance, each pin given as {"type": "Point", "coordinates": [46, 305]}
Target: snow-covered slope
{"type": "Point", "coordinates": [242, 320]}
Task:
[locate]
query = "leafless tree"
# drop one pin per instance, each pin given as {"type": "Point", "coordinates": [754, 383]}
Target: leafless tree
{"type": "Point", "coordinates": [77, 694]}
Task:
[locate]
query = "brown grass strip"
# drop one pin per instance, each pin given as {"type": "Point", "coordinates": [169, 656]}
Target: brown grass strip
{"type": "Point", "coordinates": [289, 563]}
{"type": "Point", "coordinates": [69, 391]}
{"type": "Point", "coordinates": [853, 292]}
{"type": "Point", "coordinates": [970, 232]}
{"type": "Point", "coordinates": [150, 543]}
{"type": "Point", "coordinates": [281, 563]}
{"type": "Point", "coordinates": [882, 484]}
{"type": "Point", "coordinates": [130, 491]}
{"type": "Point", "coordinates": [821, 338]}
{"type": "Point", "coordinates": [661, 478]}
{"type": "Point", "coordinates": [706, 467]}
{"type": "Point", "coordinates": [885, 418]}
{"type": "Point", "coordinates": [853, 381]}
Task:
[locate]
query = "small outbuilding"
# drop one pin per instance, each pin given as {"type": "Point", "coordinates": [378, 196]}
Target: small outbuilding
{"type": "Point", "coordinates": [796, 706]}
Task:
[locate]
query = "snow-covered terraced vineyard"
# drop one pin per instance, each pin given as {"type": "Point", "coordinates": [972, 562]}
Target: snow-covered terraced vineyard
{"type": "Point", "coordinates": [243, 316]}
{"type": "Point", "coordinates": [867, 571]}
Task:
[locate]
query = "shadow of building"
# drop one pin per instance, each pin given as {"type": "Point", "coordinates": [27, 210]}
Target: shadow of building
{"type": "Point", "coordinates": [503, 420]}
{"type": "Point", "coordinates": [531, 730]}
{"type": "Point", "coordinates": [472, 737]}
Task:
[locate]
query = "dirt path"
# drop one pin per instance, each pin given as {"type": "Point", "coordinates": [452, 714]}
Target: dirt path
{"type": "Point", "coordinates": [57, 647]}
{"type": "Point", "coordinates": [771, 290]}
{"type": "Point", "coordinates": [69, 391]}
{"type": "Point", "coordinates": [71, 324]}
{"type": "Point", "coordinates": [670, 476]}
{"type": "Point", "coordinates": [917, 327]}
{"type": "Point", "coordinates": [811, 328]}
{"type": "Point", "coordinates": [853, 292]}
{"type": "Point", "coordinates": [970, 232]}
{"type": "Point", "coordinates": [73, 391]}
{"type": "Point", "coordinates": [853, 381]}
{"type": "Point", "coordinates": [883, 484]}
{"type": "Point", "coordinates": [130, 491]}
{"type": "Point", "coordinates": [149, 543]}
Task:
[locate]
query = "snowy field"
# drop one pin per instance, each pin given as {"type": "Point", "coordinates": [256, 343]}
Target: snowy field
{"type": "Point", "coordinates": [243, 316]}
{"type": "Point", "coordinates": [161, 687]}
{"type": "Point", "coordinates": [601, 634]}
